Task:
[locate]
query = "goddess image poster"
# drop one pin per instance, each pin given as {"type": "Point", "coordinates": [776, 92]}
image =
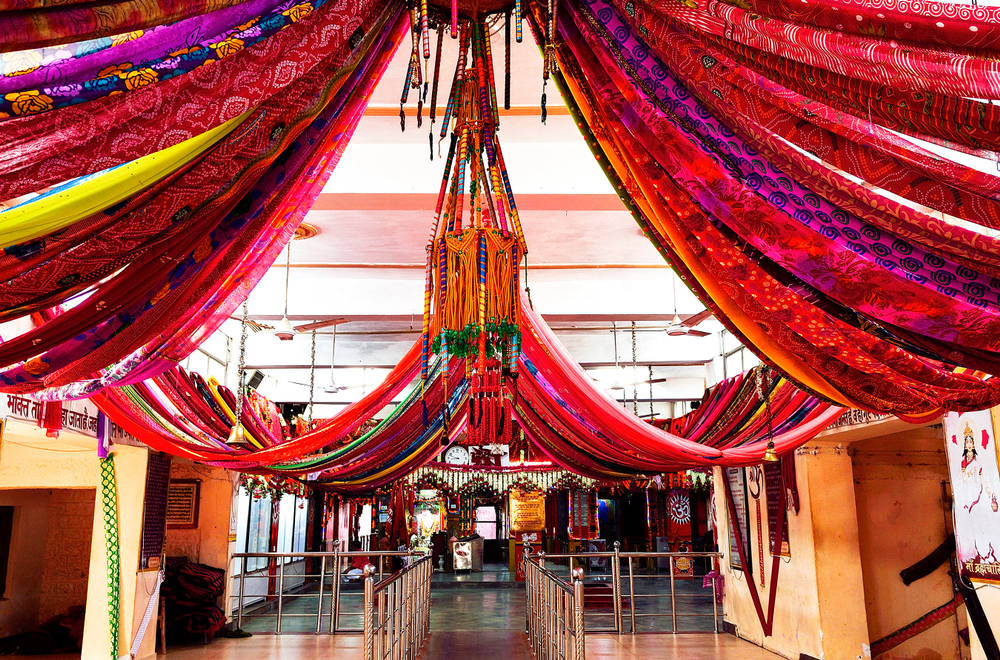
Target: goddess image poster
{"type": "Point", "coordinates": [975, 478]}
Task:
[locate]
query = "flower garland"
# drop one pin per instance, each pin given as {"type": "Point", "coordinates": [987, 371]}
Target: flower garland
{"type": "Point", "coordinates": [272, 486]}
{"type": "Point", "coordinates": [464, 480]}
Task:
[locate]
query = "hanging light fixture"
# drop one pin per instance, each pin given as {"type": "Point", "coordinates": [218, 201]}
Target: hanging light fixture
{"type": "Point", "coordinates": [237, 435]}
{"type": "Point", "coordinates": [284, 330]}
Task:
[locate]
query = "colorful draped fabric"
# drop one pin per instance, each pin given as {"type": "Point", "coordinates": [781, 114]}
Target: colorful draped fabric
{"type": "Point", "coordinates": [564, 413]}
{"type": "Point", "coordinates": [225, 162]}
{"type": "Point", "coordinates": [773, 201]}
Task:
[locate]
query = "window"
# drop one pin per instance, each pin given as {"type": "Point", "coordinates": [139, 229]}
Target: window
{"type": "Point", "coordinates": [6, 531]}
{"type": "Point", "coordinates": [258, 531]}
{"type": "Point", "coordinates": [301, 523]}
{"type": "Point", "coordinates": [286, 522]}
{"type": "Point", "coordinates": [486, 521]}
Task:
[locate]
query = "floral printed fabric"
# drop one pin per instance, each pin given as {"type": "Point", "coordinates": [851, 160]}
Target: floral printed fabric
{"type": "Point", "coordinates": [130, 71]}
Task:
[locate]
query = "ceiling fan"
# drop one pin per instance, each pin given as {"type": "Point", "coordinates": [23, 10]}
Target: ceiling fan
{"type": "Point", "coordinates": [618, 383]}
{"type": "Point", "coordinates": [284, 330]}
{"type": "Point", "coordinates": [686, 328]}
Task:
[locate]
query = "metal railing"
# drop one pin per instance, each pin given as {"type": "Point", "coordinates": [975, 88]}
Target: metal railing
{"type": "Point", "coordinates": [553, 612]}
{"type": "Point", "coordinates": [397, 611]}
{"type": "Point", "coordinates": [635, 567]}
{"type": "Point", "coordinates": [327, 594]}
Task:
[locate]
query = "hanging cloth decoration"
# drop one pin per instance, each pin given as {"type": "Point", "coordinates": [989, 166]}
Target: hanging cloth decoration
{"type": "Point", "coordinates": [109, 502]}
{"type": "Point", "coordinates": [471, 305]}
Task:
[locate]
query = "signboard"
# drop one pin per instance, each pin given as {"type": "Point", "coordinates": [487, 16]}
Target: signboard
{"type": "Point", "coordinates": [527, 511]}
{"type": "Point", "coordinates": [78, 416]}
{"type": "Point", "coordinates": [738, 485]}
{"type": "Point", "coordinates": [971, 446]}
{"type": "Point", "coordinates": [772, 486]}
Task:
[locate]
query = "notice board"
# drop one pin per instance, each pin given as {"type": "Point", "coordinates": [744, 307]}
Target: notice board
{"type": "Point", "coordinates": [154, 511]}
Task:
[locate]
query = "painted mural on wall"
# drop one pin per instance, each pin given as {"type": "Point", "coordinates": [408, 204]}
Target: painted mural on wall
{"type": "Point", "coordinates": [975, 478]}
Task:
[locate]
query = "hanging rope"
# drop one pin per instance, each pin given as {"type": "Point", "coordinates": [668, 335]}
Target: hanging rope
{"type": "Point", "coordinates": [109, 502]}
{"type": "Point", "coordinates": [635, 376]}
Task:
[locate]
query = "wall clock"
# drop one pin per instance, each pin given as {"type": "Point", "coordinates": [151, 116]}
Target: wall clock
{"type": "Point", "coordinates": [457, 455]}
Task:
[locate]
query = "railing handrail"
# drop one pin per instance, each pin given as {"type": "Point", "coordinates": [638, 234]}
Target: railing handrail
{"type": "Point", "coordinates": [335, 553]}
{"type": "Point", "coordinates": [562, 584]}
{"type": "Point", "coordinates": [384, 582]}
{"type": "Point", "coordinates": [651, 555]}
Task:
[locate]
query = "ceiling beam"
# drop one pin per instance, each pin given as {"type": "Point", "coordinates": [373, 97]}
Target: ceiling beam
{"type": "Point", "coordinates": [585, 365]}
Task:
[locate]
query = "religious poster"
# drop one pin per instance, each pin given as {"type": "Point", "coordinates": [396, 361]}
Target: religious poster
{"type": "Point", "coordinates": [679, 516]}
{"type": "Point", "coordinates": [737, 484]}
{"type": "Point", "coordinates": [975, 479]}
{"type": "Point", "coordinates": [527, 511]}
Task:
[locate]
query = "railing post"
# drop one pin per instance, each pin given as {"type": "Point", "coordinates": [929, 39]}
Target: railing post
{"type": "Point", "coordinates": [580, 637]}
{"type": "Point", "coordinates": [239, 612]}
{"type": "Point", "coordinates": [335, 605]}
{"type": "Point", "coordinates": [715, 608]}
{"type": "Point", "coordinates": [673, 600]}
{"type": "Point", "coordinates": [322, 581]}
{"type": "Point", "coordinates": [369, 611]}
{"type": "Point", "coordinates": [616, 587]}
{"type": "Point", "coordinates": [281, 589]}
{"type": "Point", "coordinates": [631, 594]}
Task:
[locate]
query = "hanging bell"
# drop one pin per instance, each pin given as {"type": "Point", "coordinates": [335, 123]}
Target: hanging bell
{"type": "Point", "coordinates": [770, 455]}
{"type": "Point", "coordinates": [237, 436]}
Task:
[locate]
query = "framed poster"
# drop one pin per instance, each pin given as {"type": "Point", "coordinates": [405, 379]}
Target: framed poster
{"type": "Point", "coordinates": [183, 497]}
{"type": "Point", "coordinates": [736, 477]}
{"type": "Point", "coordinates": [527, 511]}
{"type": "Point", "coordinates": [971, 445]}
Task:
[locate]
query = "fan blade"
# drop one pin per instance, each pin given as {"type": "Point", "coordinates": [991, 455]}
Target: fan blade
{"type": "Point", "coordinates": [698, 333]}
{"type": "Point", "coordinates": [695, 319]}
{"type": "Point", "coordinates": [317, 325]}
{"type": "Point", "coordinates": [254, 325]}
{"type": "Point", "coordinates": [652, 382]}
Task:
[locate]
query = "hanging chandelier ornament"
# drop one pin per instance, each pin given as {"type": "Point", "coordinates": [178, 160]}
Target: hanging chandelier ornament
{"type": "Point", "coordinates": [471, 301]}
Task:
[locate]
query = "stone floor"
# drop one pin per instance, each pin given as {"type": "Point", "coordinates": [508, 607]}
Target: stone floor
{"type": "Point", "coordinates": [480, 644]}
{"type": "Point", "coordinates": [481, 615]}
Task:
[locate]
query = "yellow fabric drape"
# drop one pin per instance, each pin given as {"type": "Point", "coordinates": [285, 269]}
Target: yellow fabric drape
{"type": "Point", "coordinates": [50, 214]}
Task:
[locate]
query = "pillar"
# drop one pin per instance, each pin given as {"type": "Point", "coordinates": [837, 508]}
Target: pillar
{"type": "Point", "coordinates": [989, 598]}
{"type": "Point", "coordinates": [130, 473]}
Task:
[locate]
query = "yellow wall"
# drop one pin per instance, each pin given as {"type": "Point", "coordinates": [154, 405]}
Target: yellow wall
{"type": "Point", "coordinates": [819, 605]}
{"type": "Point", "coordinates": [209, 542]}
